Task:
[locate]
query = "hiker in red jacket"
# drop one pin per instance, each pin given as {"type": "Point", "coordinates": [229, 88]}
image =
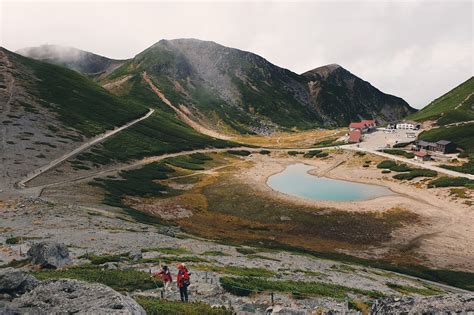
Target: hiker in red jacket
{"type": "Point", "coordinates": [183, 282]}
{"type": "Point", "coordinates": [165, 275]}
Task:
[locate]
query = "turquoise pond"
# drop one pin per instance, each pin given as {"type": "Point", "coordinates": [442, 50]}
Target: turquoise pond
{"type": "Point", "coordinates": [296, 181]}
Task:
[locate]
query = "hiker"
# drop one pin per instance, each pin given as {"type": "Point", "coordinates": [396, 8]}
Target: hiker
{"type": "Point", "coordinates": [183, 282]}
{"type": "Point", "coordinates": [165, 276]}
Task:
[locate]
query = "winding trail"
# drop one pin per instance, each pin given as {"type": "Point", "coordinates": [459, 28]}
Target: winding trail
{"type": "Point", "coordinates": [84, 146]}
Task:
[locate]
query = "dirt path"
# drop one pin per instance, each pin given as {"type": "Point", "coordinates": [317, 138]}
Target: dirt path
{"type": "Point", "coordinates": [182, 115]}
{"type": "Point", "coordinates": [412, 162]}
{"type": "Point", "coordinates": [79, 149]}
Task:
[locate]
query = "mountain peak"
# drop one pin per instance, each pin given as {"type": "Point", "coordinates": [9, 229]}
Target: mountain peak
{"type": "Point", "coordinates": [323, 71]}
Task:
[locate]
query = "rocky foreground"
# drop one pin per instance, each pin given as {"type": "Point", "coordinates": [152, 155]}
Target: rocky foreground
{"type": "Point", "coordinates": [73, 259]}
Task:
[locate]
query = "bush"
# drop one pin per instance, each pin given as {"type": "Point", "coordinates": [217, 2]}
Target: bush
{"type": "Point", "coordinates": [386, 171]}
{"type": "Point", "coordinates": [311, 153]}
{"type": "Point", "coordinates": [239, 152]}
{"type": "Point", "coordinates": [386, 164]}
{"type": "Point", "coordinates": [366, 165]}
{"type": "Point", "coordinates": [264, 152]}
{"type": "Point", "coordinates": [402, 144]}
{"type": "Point", "coordinates": [13, 240]}
{"type": "Point", "coordinates": [401, 168]}
{"type": "Point", "coordinates": [416, 173]}
{"type": "Point", "coordinates": [408, 155]}
{"type": "Point", "coordinates": [200, 156]}
{"type": "Point", "coordinates": [293, 153]}
{"type": "Point", "coordinates": [446, 181]}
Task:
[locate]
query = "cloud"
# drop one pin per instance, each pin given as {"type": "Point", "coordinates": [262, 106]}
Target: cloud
{"type": "Point", "coordinates": [413, 49]}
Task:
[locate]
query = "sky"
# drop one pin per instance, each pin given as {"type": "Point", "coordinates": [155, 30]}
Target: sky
{"type": "Point", "coordinates": [415, 49]}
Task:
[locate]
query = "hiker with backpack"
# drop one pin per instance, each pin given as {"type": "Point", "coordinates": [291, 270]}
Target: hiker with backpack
{"type": "Point", "coordinates": [165, 276]}
{"type": "Point", "coordinates": [183, 282]}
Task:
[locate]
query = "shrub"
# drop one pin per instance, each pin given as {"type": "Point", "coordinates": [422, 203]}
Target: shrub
{"type": "Point", "coordinates": [365, 165]}
{"type": "Point", "coordinates": [401, 168]}
{"type": "Point", "coordinates": [386, 171]}
{"type": "Point", "coordinates": [405, 289]}
{"type": "Point", "coordinates": [408, 155]}
{"type": "Point", "coordinates": [401, 144]}
{"type": "Point", "coordinates": [415, 173]}
{"type": "Point", "coordinates": [200, 156]}
{"type": "Point", "coordinates": [293, 153]}
{"type": "Point", "coordinates": [239, 152]}
{"type": "Point", "coordinates": [311, 153]}
{"type": "Point", "coordinates": [386, 164]}
{"type": "Point", "coordinates": [13, 240]}
{"type": "Point", "coordinates": [446, 181]}
{"type": "Point", "coordinates": [264, 152]}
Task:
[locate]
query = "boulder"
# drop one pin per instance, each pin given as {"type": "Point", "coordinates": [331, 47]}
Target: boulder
{"type": "Point", "coordinates": [49, 255]}
{"type": "Point", "coordinates": [438, 304]}
{"type": "Point", "coordinates": [135, 255]}
{"type": "Point", "coordinates": [67, 296]}
{"type": "Point", "coordinates": [15, 282]}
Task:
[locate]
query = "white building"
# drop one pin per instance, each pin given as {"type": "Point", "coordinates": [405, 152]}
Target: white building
{"type": "Point", "coordinates": [411, 125]}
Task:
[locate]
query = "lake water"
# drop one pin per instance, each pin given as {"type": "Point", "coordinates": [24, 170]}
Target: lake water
{"type": "Point", "coordinates": [296, 181]}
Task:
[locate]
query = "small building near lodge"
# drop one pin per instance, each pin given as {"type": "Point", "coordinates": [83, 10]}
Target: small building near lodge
{"type": "Point", "coordinates": [443, 146]}
{"type": "Point", "coordinates": [422, 155]}
{"type": "Point", "coordinates": [406, 124]}
{"type": "Point", "coordinates": [355, 136]}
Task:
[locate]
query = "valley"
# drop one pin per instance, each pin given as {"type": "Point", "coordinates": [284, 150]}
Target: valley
{"type": "Point", "coordinates": [168, 155]}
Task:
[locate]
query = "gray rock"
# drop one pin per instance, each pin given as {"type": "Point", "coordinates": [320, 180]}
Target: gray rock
{"type": "Point", "coordinates": [439, 304]}
{"type": "Point", "coordinates": [49, 255]}
{"type": "Point", "coordinates": [110, 265]}
{"type": "Point", "coordinates": [67, 296]}
{"type": "Point", "coordinates": [15, 282]}
{"type": "Point", "coordinates": [135, 255]}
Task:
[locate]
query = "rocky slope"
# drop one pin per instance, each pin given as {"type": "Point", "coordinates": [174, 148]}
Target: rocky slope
{"type": "Point", "coordinates": [340, 96]}
{"type": "Point", "coordinates": [72, 58]}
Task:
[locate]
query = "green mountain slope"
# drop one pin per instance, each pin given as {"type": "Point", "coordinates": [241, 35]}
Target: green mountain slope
{"type": "Point", "coordinates": [237, 91]}
{"type": "Point", "coordinates": [48, 110]}
{"type": "Point", "coordinates": [455, 106]}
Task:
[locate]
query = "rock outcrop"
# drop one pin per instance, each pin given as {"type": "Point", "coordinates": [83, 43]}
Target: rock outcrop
{"type": "Point", "coordinates": [439, 304]}
{"type": "Point", "coordinates": [66, 296]}
{"type": "Point", "coordinates": [49, 255]}
{"type": "Point", "coordinates": [15, 282]}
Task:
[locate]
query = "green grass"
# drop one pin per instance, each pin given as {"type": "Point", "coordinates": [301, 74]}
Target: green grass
{"type": "Point", "coordinates": [186, 162]}
{"type": "Point", "coordinates": [121, 280]}
{"type": "Point", "coordinates": [215, 253]}
{"type": "Point", "coordinates": [444, 106]}
{"type": "Point", "coordinates": [406, 289]}
{"type": "Point", "coordinates": [244, 286]}
{"type": "Point", "coordinates": [246, 251]}
{"type": "Point", "coordinates": [168, 250]}
{"type": "Point", "coordinates": [155, 306]}
{"type": "Point", "coordinates": [238, 271]}
{"type": "Point", "coordinates": [174, 259]}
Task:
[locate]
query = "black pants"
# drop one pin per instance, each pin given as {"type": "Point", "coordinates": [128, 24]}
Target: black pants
{"type": "Point", "coordinates": [183, 292]}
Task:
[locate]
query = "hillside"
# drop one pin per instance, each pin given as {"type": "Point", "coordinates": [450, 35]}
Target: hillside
{"type": "Point", "coordinates": [49, 110]}
{"type": "Point", "coordinates": [455, 106]}
{"type": "Point", "coordinates": [237, 91]}
{"type": "Point", "coordinates": [72, 58]}
{"type": "Point", "coordinates": [339, 95]}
